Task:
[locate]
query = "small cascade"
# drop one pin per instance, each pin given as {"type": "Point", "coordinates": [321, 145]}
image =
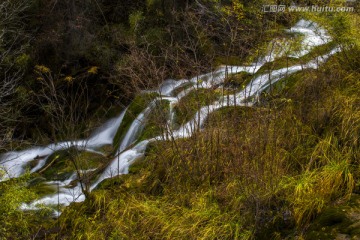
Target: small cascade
{"type": "Point", "coordinates": [136, 128]}
{"type": "Point", "coordinates": [172, 102]}
{"type": "Point", "coordinates": [15, 163]}
{"type": "Point", "coordinates": [120, 164]}
{"type": "Point", "coordinates": [313, 36]}
{"type": "Point", "coordinates": [168, 86]}
{"type": "Point", "coordinates": [106, 133]}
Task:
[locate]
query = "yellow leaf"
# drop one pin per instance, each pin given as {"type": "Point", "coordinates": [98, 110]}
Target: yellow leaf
{"type": "Point", "coordinates": [42, 69]}
{"type": "Point", "coordinates": [69, 79]}
{"type": "Point", "coordinates": [93, 70]}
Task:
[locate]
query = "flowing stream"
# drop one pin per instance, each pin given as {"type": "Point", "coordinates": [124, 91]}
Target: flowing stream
{"type": "Point", "coordinates": [130, 149]}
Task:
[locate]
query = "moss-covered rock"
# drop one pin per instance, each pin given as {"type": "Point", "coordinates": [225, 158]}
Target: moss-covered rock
{"type": "Point", "coordinates": [107, 149]}
{"type": "Point", "coordinates": [237, 82]}
{"type": "Point", "coordinates": [337, 222]}
{"type": "Point", "coordinates": [283, 87]}
{"type": "Point", "coordinates": [111, 183]}
{"type": "Point", "coordinates": [156, 121]}
{"type": "Point", "coordinates": [191, 103]}
{"type": "Point", "coordinates": [62, 164]}
{"type": "Point", "coordinates": [42, 189]}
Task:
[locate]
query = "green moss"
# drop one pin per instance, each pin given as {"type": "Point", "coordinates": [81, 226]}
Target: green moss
{"type": "Point", "coordinates": [278, 63]}
{"type": "Point", "coordinates": [283, 87]}
{"type": "Point", "coordinates": [238, 81]}
{"type": "Point", "coordinates": [318, 51]}
{"type": "Point", "coordinates": [57, 166]}
{"type": "Point", "coordinates": [157, 120]}
{"type": "Point", "coordinates": [61, 164]}
{"type": "Point", "coordinates": [135, 108]}
{"type": "Point", "coordinates": [191, 103]}
{"type": "Point", "coordinates": [42, 189]}
{"type": "Point", "coordinates": [112, 183]}
{"type": "Point", "coordinates": [107, 149]}
{"type": "Point", "coordinates": [331, 222]}
{"type": "Point", "coordinates": [14, 222]}
{"type": "Point", "coordinates": [90, 160]}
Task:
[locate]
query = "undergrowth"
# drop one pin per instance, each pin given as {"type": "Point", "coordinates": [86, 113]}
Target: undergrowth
{"type": "Point", "coordinates": [265, 172]}
{"type": "Point", "coordinates": [251, 173]}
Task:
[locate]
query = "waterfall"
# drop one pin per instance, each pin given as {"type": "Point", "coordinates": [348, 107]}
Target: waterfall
{"type": "Point", "coordinates": [120, 164]}
{"type": "Point", "coordinates": [135, 128]}
{"type": "Point", "coordinates": [106, 133]}
{"type": "Point", "coordinates": [16, 162]}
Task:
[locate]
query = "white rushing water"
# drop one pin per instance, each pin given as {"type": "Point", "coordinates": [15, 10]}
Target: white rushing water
{"type": "Point", "coordinates": [121, 163]}
{"type": "Point", "coordinates": [135, 128]}
{"type": "Point", "coordinates": [313, 34]}
{"type": "Point", "coordinates": [106, 133]}
{"type": "Point", "coordinates": [15, 163]}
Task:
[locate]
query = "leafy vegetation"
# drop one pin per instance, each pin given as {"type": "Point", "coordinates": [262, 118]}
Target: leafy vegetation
{"type": "Point", "coordinates": [287, 167]}
{"type": "Point", "coordinates": [16, 223]}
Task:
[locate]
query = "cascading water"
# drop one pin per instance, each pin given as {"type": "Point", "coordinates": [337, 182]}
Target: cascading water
{"type": "Point", "coordinates": [135, 128]}
{"type": "Point", "coordinates": [105, 134]}
{"type": "Point", "coordinates": [16, 162]}
{"type": "Point", "coordinates": [120, 164]}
